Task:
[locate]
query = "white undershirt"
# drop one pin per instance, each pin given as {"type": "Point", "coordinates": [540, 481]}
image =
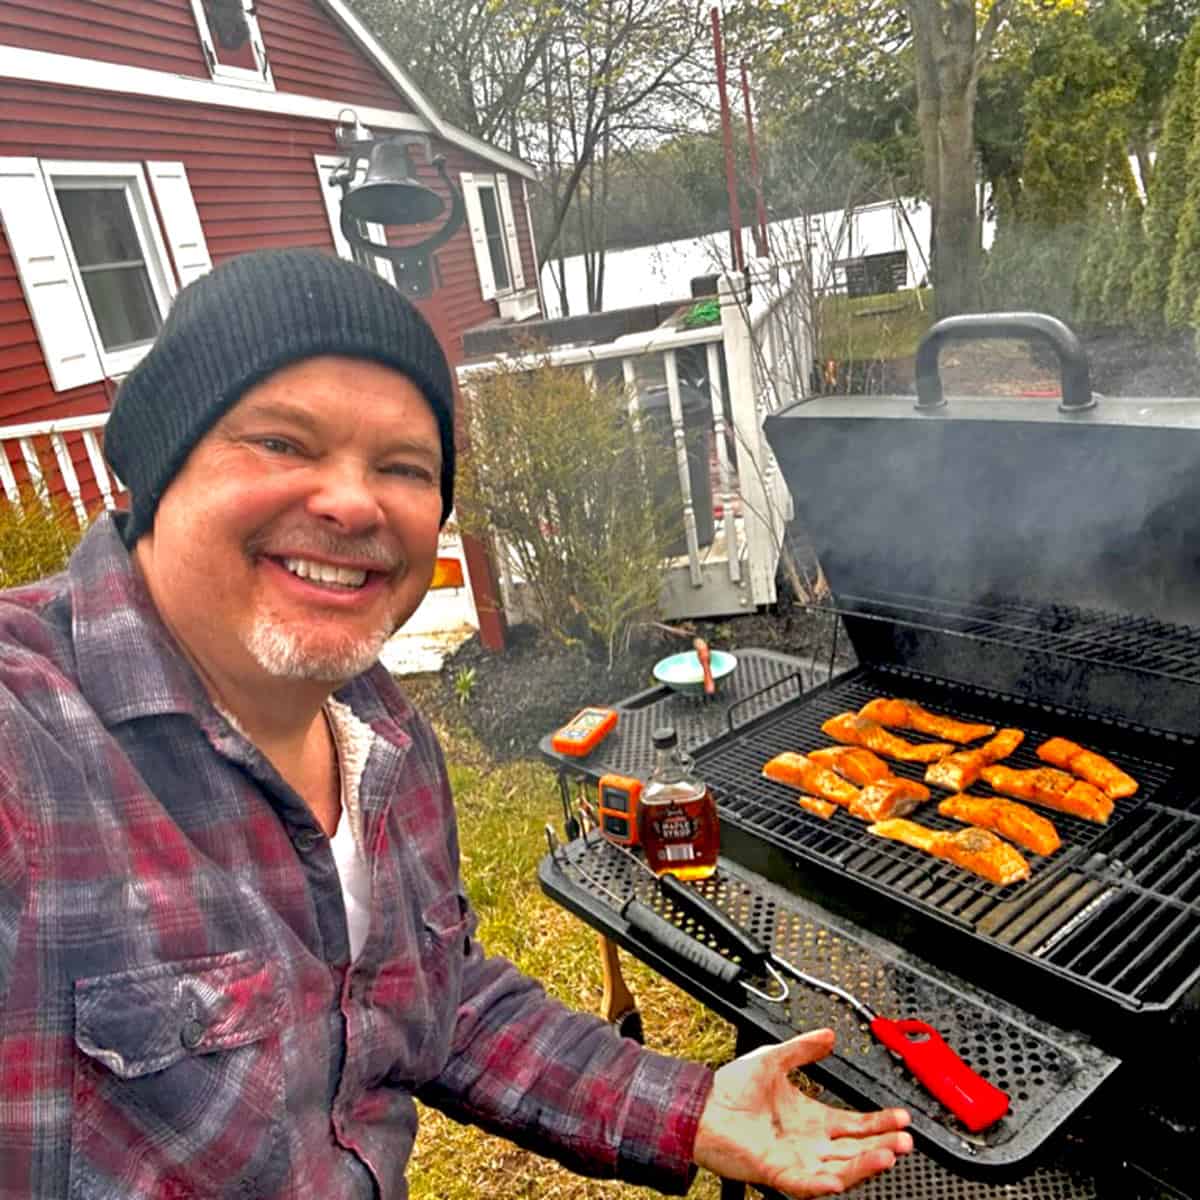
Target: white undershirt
{"type": "Point", "coordinates": [352, 739]}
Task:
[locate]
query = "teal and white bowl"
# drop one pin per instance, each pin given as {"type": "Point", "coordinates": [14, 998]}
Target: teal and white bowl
{"type": "Point", "coordinates": [683, 673]}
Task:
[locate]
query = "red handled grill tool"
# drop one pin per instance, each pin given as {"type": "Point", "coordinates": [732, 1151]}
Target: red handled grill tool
{"type": "Point", "coordinates": [971, 1098]}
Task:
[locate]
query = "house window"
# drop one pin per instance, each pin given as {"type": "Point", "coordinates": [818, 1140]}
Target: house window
{"type": "Point", "coordinates": [488, 202]}
{"type": "Point", "coordinates": [116, 253]}
{"type": "Point", "coordinates": [494, 233]}
{"type": "Point", "coordinates": [109, 257]}
{"type": "Point", "coordinates": [231, 41]}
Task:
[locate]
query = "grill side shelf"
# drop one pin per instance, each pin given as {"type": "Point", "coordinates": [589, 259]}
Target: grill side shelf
{"type": "Point", "coordinates": [1048, 1072]}
{"type": "Point", "coordinates": [1128, 885]}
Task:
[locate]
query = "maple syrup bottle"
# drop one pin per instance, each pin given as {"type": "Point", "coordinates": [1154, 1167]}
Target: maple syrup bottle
{"type": "Point", "coordinates": [677, 815]}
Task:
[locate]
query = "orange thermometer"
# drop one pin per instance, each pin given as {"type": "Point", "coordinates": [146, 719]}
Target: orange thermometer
{"type": "Point", "coordinates": [619, 795]}
{"type": "Point", "coordinates": [584, 731]}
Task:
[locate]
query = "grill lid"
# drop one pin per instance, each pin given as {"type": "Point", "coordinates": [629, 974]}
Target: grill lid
{"type": "Point", "coordinates": [1001, 518]}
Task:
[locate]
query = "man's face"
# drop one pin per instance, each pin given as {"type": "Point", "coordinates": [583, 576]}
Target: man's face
{"type": "Point", "coordinates": [302, 531]}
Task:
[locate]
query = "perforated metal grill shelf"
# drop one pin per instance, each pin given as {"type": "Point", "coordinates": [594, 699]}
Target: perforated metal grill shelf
{"type": "Point", "coordinates": [760, 681]}
{"type": "Point", "coordinates": [1116, 911]}
{"type": "Point", "coordinates": [1047, 1072]}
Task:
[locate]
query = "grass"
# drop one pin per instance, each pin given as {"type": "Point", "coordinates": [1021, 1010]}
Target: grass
{"type": "Point", "coordinates": [871, 328]}
{"type": "Point", "coordinates": [503, 809]}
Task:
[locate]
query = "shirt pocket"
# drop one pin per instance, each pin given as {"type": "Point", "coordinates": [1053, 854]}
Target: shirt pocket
{"type": "Point", "coordinates": [179, 1085]}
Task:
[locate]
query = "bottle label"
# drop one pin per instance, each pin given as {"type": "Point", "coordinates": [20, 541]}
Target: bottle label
{"type": "Point", "coordinates": [676, 827]}
{"type": "Point", "coordinates": [684, 853]}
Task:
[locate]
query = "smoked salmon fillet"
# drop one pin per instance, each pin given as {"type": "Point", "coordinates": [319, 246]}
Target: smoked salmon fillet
{"type": "Point", "coordinates": [853, 763]}
{"type": "Point", "coordinates": [959, 770]}
{"type": "Point", "coordinates": [1006, 817]}
{"type": "Point", "coordinates": [853, 730]}
{"type": "Point", "coordinates": [783, 769]}
{"type": "Point", "coordinates": [1089, 766]}
{"type": "Point", "coordinates": [1052, 788]}
{"type": "Point", "coordinates": [907, 714]}
{"type": "Point", "coordinates": [883, 798]}
{"type": "Point", "coordinates": [891, 797]}
{"type": "Point", "coordinates": [976, 850]}
{"type": "Point", "coordinates": [799, 772]}
{"type": "Point", "coordinates": [815, 805]}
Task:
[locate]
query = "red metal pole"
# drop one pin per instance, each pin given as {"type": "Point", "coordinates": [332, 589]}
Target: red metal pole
{"type": "Point", "coordinates": [760, 209]}
{"type": "Point", "coordinates": [735, 212]}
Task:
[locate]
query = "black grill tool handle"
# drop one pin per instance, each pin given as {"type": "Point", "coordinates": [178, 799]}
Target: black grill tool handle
{"type": "Point", "coordinates": [658, 931]}
{"type": "Point", "coordinates": [1073, 364]}
{"type": "Point", "coordinates": [751, 951]}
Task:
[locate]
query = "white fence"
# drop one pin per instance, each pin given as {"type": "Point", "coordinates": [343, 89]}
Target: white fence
{"type": "Point", "coordinates": [43, 447]}
{"type": "Point", "coordinates": [763, 341]}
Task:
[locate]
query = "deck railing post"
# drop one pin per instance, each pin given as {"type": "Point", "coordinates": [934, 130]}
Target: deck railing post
{"type": "Point", "coordinates": [742, 362]}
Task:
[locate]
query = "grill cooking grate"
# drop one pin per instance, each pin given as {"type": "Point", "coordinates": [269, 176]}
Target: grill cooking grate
{"type": "Point", "coordinates": [1135, 879]}
{"type": "Point", "coordinates": [1045, 1073]}
{"type": "Point", "coordinates": [1139, 643]}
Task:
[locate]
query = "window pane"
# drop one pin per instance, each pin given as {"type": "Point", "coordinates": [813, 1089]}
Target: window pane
{"type": "Point", "coordinates": [100, 225]}
{"type": "Point", "coordinates": [123, 305]}
{"type": "Point", "coordinates": [495, 238]}
{"type": "Point", "coordinates": [230, 33]}
{"type": "Point", "coordinates": [109, 256]}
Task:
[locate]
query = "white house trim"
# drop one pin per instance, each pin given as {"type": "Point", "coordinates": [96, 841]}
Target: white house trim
{"type": "Point", "coordinates": [260, 78]}
{"type": "Point", "coordinates": [68, 70]}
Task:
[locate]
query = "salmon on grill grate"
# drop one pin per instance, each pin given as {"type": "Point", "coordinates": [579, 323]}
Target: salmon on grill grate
{"type": "Point", "coordinates": [908, 714]}
{"type": "Point", "coordinates": [854, 730]}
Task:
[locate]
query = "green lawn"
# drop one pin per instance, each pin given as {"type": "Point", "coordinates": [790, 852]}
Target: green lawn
{"type": "Point", "coordinates": [503, 809]}
{"type": "Point", "coordinates": [868, 328]}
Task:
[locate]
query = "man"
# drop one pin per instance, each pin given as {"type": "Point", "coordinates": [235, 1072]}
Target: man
{"type": "Point", "coordinates": [234, 944]}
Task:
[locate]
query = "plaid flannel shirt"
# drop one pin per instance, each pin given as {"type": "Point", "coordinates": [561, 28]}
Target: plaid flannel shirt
{"type": "Point", "coordinates": [178, 1013]}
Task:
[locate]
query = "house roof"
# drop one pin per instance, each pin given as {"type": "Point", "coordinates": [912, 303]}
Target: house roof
{"type": "Point", "coordinates": [374, 50]}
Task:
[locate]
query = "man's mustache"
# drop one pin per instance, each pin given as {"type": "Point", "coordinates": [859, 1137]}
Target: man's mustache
{"type": "Point", "coordinates": [371, 550]}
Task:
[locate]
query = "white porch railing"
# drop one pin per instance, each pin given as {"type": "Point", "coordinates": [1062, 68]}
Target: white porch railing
{"type": "Point", "coordinates": [764, 344]}
{"type": "Point", "coordinates": [33, 440]}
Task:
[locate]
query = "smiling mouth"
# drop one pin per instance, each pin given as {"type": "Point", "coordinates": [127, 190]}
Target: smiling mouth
{"type": "Point", "coordinates": [345, 579]}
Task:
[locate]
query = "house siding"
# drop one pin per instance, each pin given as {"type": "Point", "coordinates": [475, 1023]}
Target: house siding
{"type": "Point", "coordinates": [254, 184]}
{"type": "Point", "coordinates": [307, 50]}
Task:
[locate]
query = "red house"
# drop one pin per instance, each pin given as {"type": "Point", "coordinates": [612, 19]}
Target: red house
{"type": "Point", "coordinates": [145, 140]}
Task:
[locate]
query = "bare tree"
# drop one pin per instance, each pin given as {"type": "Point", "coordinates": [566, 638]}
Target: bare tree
{"type": "Point", "coordinates": [474, 59]}
{"type": "Point", "coordinates": [615, 73]}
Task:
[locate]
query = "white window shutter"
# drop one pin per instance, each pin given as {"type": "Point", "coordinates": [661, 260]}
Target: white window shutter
{"type": "Point", "coordinates": [483, 260]}
{"type": "Point", "coordinates": [332, 197]}
{"type": "Point", "coordinates": [180, 221]}
{"type": "Point", "coordinates": [510, 233]}
{"type": "Point", "coordinates": [43, 264]}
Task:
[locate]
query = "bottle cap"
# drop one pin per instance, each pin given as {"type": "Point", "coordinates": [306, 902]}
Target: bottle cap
{"type": "Point", "coordinates": [664, 737]}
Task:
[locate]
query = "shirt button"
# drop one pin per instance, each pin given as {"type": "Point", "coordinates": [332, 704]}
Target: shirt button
{"type": "Point", "coordinates": [307, 840]}
{"type": "Point", "coordinates": [192, 1034]}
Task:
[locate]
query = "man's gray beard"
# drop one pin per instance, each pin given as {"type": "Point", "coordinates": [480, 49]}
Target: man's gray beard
{"type": "Point", "coordinates": [282, 654]}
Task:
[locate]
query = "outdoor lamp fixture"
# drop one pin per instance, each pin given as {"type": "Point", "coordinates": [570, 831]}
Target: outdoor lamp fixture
{"type": "Point", "coordinates": [389, 194]}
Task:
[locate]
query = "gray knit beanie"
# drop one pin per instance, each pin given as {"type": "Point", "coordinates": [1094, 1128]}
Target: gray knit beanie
{"type": "Point", "coordinates": [231, 328]}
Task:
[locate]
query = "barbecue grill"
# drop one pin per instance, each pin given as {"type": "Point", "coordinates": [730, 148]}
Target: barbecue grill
{"type": "Point", "coordinates": [1033, 565]}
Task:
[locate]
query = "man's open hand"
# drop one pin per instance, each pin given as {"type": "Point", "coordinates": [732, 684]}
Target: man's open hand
{"type": "Point", "coordinates": [758, 1127]}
